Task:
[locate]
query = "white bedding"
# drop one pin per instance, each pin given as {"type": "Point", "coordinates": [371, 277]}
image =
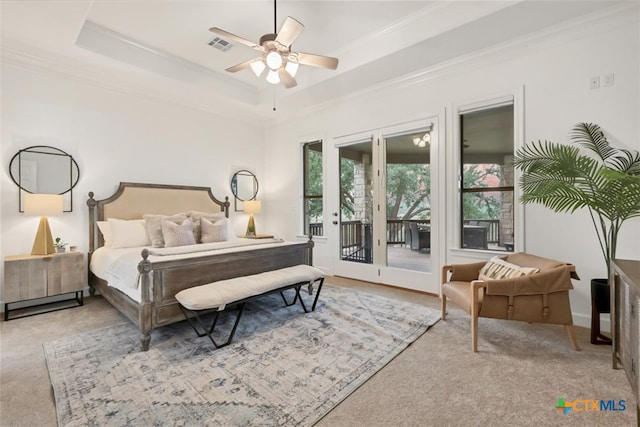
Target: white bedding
{"type": "Point", "coordinates": [119, 266]}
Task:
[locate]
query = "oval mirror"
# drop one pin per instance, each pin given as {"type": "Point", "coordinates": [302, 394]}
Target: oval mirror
{"type": "Point", "coordinates": [45, 170]}
{"type": "Point", "coordinates": [244, 185]}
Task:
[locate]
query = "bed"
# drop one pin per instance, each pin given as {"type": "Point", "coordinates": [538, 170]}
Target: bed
{"type": "Point", "coordinates": [152, 276]}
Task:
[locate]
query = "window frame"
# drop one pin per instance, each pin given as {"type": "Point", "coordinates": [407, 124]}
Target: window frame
{"type": "Point", "coordinates": [514, 98]}
{"type": "Point", "coordinates": [306, 196]}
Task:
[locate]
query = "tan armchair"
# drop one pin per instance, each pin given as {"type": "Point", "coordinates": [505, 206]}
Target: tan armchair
{"type": "Point", "coordinates": [541, 297]}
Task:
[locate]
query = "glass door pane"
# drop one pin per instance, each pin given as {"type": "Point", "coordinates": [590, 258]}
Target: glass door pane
{"type": "Point", "coordinates": [356, 203]}
{"type": "Point", "coordinates": [408, 201]}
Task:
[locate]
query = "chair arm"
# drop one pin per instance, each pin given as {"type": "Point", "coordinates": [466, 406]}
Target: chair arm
{"type": "Point", "coordinates": [465, 272]}
{"type": "Point", "coordinates": [444, 276]}
{"type": "Point", "coordinates": [476, 287]}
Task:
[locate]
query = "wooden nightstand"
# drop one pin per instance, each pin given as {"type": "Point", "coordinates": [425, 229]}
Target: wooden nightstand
{"type": "Point", "coordinates": [32, 277]}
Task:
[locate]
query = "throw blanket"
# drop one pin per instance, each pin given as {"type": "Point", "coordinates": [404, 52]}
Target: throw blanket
{"type": "Point", "coordinates": [124, 269]}
{"type": "Point", "coordinates": [208, 247]}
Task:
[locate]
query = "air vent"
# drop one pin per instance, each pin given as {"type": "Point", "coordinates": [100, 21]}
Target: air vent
{"type": "Point", "coordinates": [221, 44]}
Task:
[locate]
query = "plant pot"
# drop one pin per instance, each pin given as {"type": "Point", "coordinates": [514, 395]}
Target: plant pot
{"type": "Point", "coordinates": [60, 250]}
{"type": "Point", "coordinates": [600, 303]}
{"type": "Point", "coordinates": [600, 295]}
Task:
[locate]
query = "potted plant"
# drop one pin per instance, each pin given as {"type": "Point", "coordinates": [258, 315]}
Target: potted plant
{"type": "Point", "coordinates": [588, 174]}
{"type": "Point", "coordinates": [60, 245]}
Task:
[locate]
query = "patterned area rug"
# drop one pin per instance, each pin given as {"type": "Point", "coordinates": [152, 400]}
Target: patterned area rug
{"type": "Point", "coordinates": [284, 367]}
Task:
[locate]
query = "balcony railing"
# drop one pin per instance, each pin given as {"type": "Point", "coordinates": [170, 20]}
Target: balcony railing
{"type": "Point", "coordinates": [356, 236]}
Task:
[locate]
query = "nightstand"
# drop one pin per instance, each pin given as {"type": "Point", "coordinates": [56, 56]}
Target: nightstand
{"type": "Point", "coordinates": [29, 278]}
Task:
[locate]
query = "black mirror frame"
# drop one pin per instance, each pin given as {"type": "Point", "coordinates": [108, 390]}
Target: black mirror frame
{"type": "Point", "coordinates": [234, 187]}
{"type": "Point", "coordinates": [35, 149]}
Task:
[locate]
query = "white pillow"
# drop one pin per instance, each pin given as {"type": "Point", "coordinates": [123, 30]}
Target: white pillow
{"type": "Point", "coordinates": [497, 268]}
{"type": "Point", "coordinates": [213, 231]}
{"type": "Point", "coordinates": [105, 229]}
{"type": "Point", "coordinates": [128, 233]}
{"type": "Point", "coordinates": [177, 234]}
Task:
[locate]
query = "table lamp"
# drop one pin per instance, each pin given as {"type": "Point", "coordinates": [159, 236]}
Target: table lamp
{"type": "Point", "coordinates": [43, 205]}
{"type": "Point", "coordinates": [251, 207]}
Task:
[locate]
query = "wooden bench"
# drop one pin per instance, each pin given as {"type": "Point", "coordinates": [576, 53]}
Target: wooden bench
{"type": "Point", "coordinates": [220, 295]}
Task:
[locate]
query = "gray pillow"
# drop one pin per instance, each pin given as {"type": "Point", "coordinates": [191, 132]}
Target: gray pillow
{"type": "Point", "coordinates": [212, 217]}
{"type": "Point", "coordinates": [177, 234]}
{"type": "Point", "coordinates": [154, 227]}
{"type": "Point", "coordinates": [213, 231]}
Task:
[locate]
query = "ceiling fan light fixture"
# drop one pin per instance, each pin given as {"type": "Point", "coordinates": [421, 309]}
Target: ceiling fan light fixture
{"type": "Point", "coordinates": [258, 67]}
{"type": "Point", "coordinates": [274, 60]}
{"type": "Point", "coordinates": [273, 77]}
{"type": "Point", "coordinates": [422, 142]}
{"type": "Point", "coordinates": [292, 68]}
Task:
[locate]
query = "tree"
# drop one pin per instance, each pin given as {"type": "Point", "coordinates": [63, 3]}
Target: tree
{"type": "Point", "coordinates": [408, 190]}
{"type": "Point", "coordinates": [314, 185]}
{"type": "Point", "coordinates": [484, 204]}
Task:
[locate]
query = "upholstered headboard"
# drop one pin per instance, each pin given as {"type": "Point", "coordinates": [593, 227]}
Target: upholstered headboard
{"type": "Point", "coordinates": [132, 200]}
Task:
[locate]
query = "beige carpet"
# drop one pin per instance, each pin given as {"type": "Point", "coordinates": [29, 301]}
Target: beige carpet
{"type": "Point", "coordinates": [515, 379]}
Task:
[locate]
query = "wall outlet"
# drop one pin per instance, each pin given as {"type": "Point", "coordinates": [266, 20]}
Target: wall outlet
{"type": "Point", "coordinates": [608, 79]}
{"type": "Point", "coordinates": [594, 82]}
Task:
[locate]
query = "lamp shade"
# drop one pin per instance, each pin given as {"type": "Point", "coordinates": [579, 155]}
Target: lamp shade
{"type": "Point", "coordinates": [43, 204]}
{"type": "Point", "coordinates": [252, 206]}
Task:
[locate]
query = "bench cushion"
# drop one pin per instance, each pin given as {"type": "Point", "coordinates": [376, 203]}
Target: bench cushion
{"type": "Point", "coordinates": [218, 294]}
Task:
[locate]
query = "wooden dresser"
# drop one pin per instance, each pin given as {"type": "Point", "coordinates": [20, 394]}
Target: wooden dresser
{"type": "Point", "coordinates": [625, 327]}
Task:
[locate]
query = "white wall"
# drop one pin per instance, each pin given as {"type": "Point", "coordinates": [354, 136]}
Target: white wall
{"type": "Point", "coordinates": [113, 137]}
{"type": "Point", "coordinates": [554, 72]}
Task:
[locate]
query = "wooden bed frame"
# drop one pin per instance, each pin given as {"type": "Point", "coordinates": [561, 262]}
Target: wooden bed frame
{"type": "Point", "coordinates": [160, 282]}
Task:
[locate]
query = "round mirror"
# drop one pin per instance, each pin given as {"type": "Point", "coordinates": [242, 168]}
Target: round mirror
{"type": "Point", "coordinates": [244, 185]}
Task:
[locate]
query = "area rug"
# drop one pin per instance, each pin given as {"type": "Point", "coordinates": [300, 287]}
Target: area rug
{"type": "Point", "coordinates": [284, 367]}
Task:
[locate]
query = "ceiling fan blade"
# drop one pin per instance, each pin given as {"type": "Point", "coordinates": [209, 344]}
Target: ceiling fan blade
{"type": "Point", "coordinates": [241, 66]}
{"type": "Point", "coordinates": [286, 78]}
{"type": "Point", "coordinates": [290, 31]}
{"type": "Point", "coordinates": [237, 39]}
{"type": "Point", "coordinates": [317, 60]}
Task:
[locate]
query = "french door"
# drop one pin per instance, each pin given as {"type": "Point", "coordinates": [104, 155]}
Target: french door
{"type": "Point", "coordinates": [385, 209]}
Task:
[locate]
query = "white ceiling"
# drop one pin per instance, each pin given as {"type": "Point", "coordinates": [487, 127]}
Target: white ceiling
{"type": "Point", "coordinates": [160, 47]}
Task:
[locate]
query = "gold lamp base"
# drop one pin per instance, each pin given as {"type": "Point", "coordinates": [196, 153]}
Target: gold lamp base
{"type": "Point", "coordinates": [43, 243]}
{"type": "Point", "coordinates": [251, 227]}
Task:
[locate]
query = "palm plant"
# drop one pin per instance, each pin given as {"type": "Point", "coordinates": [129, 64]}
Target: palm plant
{"type": "Point", "coordinates": [605, 180]}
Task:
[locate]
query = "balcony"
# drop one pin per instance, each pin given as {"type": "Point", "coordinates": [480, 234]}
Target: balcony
{"type": "Point", "coordinates": [409, 241]}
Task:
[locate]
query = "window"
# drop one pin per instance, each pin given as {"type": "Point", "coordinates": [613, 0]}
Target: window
{"type": "Point", "coordinates": [312, 191]}
{"type": "Point", "coordinates": [487, 176]}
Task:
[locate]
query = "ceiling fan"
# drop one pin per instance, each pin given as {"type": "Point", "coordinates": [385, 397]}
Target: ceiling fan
{"type": "Point", "coordinates": [276, 53]}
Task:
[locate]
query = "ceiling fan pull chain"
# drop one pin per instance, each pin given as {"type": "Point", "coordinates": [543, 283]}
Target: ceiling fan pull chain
{"type": "Point", "coordinates": [274, 99]}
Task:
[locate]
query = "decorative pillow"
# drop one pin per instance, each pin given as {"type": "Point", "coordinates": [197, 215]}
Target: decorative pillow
{"type": "Point", "coordinates": [497, 268]}
{"type": "Point", "coordinates": [212, 217]}
{"type": "Point", "coordinates": [177, 234]}
{"type": "Point", "coordinates": [154, 227]}
{"type": "Point", "coordinates": [127, 233]}
{"type": "Point", "coordinates": [105, 230]}
{"type": "Point", "coordinates": [213, 231]}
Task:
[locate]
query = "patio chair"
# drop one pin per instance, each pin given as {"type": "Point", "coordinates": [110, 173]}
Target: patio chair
{"type": "Point", "coordinates": [419, 239]}
{"type": "Point", "coordinates": [519, 286]}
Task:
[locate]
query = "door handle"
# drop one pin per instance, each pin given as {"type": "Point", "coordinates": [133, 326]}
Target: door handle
{"type": "Point", "coordinates": [335, 222]}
